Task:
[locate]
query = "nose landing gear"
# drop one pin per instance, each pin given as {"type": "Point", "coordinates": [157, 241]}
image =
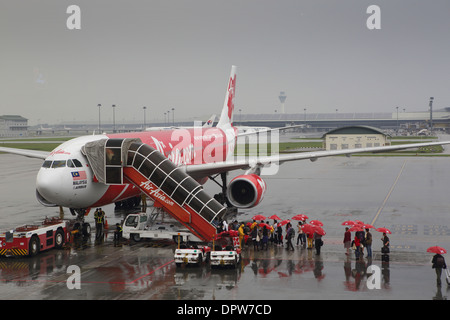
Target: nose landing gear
{"type": "Point", "coordinates": [80, 227]}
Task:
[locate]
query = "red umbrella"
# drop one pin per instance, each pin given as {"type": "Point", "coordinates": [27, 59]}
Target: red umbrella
{"type": "Point", "coordinates": [274, 217]}
{"type": "Point", "coordinates": [384, 230]}
{"type": "Point", "coordinates": [316, 223]}
{"type": "Point", "coordinates": [319, 230]}
{"type": "Point", "coordinates": [348, 223]}
{"type": "Point", "coordinates": [436, 249]}
{"type": "Point", "coordinates": [282, 223]}
{"type": "Point", "coordinates": [366, 226]}
{"type": "Point", "coordinates": [358, 222]}
{"type": "Point", "coordinates": [308, 228]}
{"type": "Point", "coordinates": [264, 225]}
{"type": "Point", "coordinates": [259, 217]}
{"type": "Point", "coordinates": [355, 228]}
{"type": "Point", "coordinates": [300, 217]}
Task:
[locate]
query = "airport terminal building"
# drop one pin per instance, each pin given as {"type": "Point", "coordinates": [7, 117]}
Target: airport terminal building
{"type": "Point", "coordinates": [13, 126]}
{"type": "Point", "coordinates": [414, 121]}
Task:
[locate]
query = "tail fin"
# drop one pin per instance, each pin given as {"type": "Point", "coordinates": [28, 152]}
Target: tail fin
{"type": "Point", "coordinates": [226, 117]}
{"type": "Point", "coordinates": [209, 123]}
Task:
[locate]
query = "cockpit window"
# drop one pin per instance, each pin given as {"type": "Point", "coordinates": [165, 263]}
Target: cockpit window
{"type": "Point", "coordinates": [71, 163]}
{"type": "Point", "coordinates": [77, 163]}
{"type": "Point", "coordinates": [59, 164]}
{"type": "Point", "coordinates": [47, 164]}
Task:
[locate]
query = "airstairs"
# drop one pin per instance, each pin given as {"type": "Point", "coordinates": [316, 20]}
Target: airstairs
{"type": "Point", "coordinates": [121, 161]}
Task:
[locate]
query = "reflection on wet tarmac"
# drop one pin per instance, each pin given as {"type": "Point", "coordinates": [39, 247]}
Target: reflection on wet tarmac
{"type": "Point", "coordinates": [336, 190]}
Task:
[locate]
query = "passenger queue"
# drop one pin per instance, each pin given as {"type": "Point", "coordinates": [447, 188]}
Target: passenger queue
{"type": "Point", "coordinates": [260, 233]}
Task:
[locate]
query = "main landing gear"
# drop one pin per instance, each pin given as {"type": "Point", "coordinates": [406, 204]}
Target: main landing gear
{"type": "Point", "coordinates": [222, 198]}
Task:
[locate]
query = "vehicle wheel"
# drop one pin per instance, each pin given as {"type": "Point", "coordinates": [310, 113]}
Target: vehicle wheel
{"type": "Point", "coordinates": [34, 246]}
{"type": "Point", "coordinates": [59, 239]}
{"type": "Point", "coordinates": [136, 237]}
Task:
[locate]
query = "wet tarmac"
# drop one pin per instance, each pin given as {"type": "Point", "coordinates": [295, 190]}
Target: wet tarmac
{"type": "Point", "coordinates": [409, 195]}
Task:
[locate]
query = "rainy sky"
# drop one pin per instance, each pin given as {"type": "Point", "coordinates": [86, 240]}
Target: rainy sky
{"type": "Point", "coordinates": [178, 54]}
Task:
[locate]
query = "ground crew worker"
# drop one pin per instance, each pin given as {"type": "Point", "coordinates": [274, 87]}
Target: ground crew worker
{"type": "Point", "coordinates": [241, 235]}
{"type": "Point", "coordinates": [99, 217]}
{"type": "Point", "coordinates": [117, 234]}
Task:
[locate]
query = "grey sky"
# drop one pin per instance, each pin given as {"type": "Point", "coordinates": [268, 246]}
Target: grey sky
{"type": "Point", "coordinates": [178, 54]}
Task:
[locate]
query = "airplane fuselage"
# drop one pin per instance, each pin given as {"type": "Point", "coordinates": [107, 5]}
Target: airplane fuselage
{"type": "Point", "coordinates": [66, 179]}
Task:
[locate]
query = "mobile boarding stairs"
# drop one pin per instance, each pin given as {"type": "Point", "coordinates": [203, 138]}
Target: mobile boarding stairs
{"type": "Point", "coordinates": [122, 161]}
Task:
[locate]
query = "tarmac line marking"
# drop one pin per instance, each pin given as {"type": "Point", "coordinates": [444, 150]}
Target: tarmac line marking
{"type": "Point", "coordinates": [151, 272]}
{"type": "Point", "coordinates": [389, 193]}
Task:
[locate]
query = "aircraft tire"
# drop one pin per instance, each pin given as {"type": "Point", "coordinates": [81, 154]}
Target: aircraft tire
{"type": "Point", "coordinates": [86, 229]}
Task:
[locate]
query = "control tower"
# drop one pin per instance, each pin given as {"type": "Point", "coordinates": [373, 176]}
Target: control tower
{"type": "Point", "coordinates": [282, 98]}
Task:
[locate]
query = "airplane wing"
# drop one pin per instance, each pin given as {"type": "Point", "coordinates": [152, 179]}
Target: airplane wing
{"type": "Point", "coordinates": [27, 153]}
{"type": "Point", "coordinates": [201, 170]}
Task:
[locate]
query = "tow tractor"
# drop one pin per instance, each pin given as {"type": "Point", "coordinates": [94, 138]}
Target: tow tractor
{"type": "Point", "coordinates": [29, 240]}
{"type": "Point", "coordinates": [191, 254]}
{"type": "Point", "coordinates": [138, 226]}
{"type": "Point", "coordinates": [226, 250]}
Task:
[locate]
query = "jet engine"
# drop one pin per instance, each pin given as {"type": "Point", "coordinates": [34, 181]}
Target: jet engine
{"type": "Point", "coordinates": [246, 191]}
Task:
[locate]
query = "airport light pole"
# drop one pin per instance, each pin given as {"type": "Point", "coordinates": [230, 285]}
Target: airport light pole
{"type": "Point", "coordinates": [99, 128]}
{"type": "Point", "coordinates": [397, 119]}
{"type": "Point", "coordinates": [173, 117]}
{"type": "Point", "coordinates": [431, 114]}
{"type": "Point", "coordinates": [145, 108]}
{"type": "Point", "coordinates": [168, 118]}
{"type": "Point", "coordinates": [114, 118]}
{"type": "Point", "coordinates": [304, 118]}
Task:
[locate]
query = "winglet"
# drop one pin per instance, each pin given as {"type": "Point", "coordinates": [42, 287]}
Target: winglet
{"type": "Point", "coordinates": [226, 117]}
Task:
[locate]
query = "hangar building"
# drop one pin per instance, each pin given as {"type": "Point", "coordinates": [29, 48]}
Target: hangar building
{"type": "Point", "coordinates": [355, 137]}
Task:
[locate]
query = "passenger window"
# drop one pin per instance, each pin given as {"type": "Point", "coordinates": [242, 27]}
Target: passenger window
{"type": "Point", "coordinates": [47, 164]}
{"type": "Point", "coordinates": [59, 164]}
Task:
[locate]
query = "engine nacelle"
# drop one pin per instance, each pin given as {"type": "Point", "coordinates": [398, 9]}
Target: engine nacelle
{"type": "Point", "coordinates": [246, 191]}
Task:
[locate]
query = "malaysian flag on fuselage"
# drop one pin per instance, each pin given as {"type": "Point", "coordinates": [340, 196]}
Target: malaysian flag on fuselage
{"type": "Point", "coordinates": [79, 175]}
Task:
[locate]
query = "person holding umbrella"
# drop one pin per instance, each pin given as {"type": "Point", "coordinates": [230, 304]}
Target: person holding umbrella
{"type": "Point", "coordinates": [347, 240]}
{"type": "Point", "coordinates": [438, 262]}
{"type": "Point", "coordinates": [289, 235]}
{"type": "Point", "coordinates": [368, 243]}
{"type": "Point", "coordinates": [301, 234]}
{"type": "Point", "coordinates": [318, 243]}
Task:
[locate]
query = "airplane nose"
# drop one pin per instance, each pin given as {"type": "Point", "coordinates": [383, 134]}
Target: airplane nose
{"type": "Point", "coordinates": [49, 185]}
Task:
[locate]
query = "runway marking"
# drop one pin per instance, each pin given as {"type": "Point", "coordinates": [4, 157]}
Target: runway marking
{"type": "Point", "coordinates": [389, 193]}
